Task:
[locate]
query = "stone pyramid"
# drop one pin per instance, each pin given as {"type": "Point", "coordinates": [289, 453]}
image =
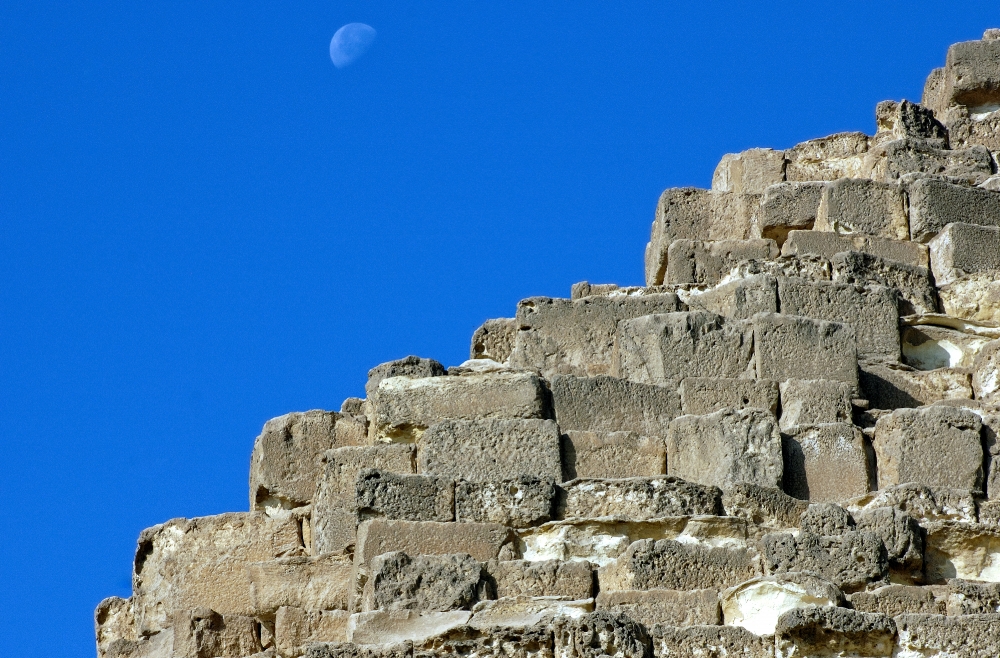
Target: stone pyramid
{"type": "Point", "coordinates": [781, 446]}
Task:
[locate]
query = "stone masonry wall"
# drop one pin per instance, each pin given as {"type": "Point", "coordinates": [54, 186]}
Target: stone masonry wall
{"type": "Point", "coordinates": [781, 446]}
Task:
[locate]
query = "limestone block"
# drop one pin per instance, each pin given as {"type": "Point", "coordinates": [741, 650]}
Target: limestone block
{"type": "Point", "coordinates": [518, 503]}
{"type": "Point", "coordinates": [494, 339]}
{"type": "Point", "coordinates": [702, 262]}
{"type": "Point", "coordinates": [516, 640]}
{"type": "Point", "coordinates": [832, 631]}
{"type": "Point", "coordinates": [295, 628]}
{"type": "Point", "coordinates": [573, 580]}
{"type": "Point", "coordinates": [335, 518]}
{"type": "Point", "coordinates": [525, 611]}
{"type": "Point", "coordinates": [749, 172]}
{"type": "Point", "coordinates": [428, 583]}
{"type": "Point", "coordinates": [158, 645]}
{"type": "Point", "coordinates": [972, 73]}
{"type": "Point", "coordinates": [583, 289]}
{"type": "Point", "coordinates": [933, 95]}
{"type": "Point", "coordinates": [787, 207]}
{"type": "Point", "coordinates": [929, 347]}
{"type": "Point", "coordinates": [828, 158]}
{"type": "Point", "coordinates": [935, 203]}
{"type": "Point", "coordinates": [349, 650]}
{"type": "Point", "coordinates": [961, 550]}
{"type": "Point", "coordinates": [909, 444]}
{"type": "Point", "coordinates": [726, 448]}
{"type": "Point", "coordinates": [307, 583]}
{"type": "Point", "coordinates": [815, 401]}
{"type": "Point", "coordinates": [396, 626]}
{"type": "Point", "coordinates": [411, 366]}
{"type": "Point", "coordinates": [638, 499]}
{"type": "Point", "coordinates": [483, 541]}
{"type": "Point", "coordinates": [792, 347]}
{"type": "Point", "coordinates": [916, 289]}
{"type": "Point", "coordinates": [855, 205]}
{"type": "Point", "coordinates": [807, 266]}
{"type": "Point", "coordinates": [114, 623]}
{"type": "Point", "coordinates": [825, 462]}
{"type": "Point", "coordinates": [186, 564]}
{"type": "Point", "coordinates": [986, 373]}
{"type": "Point", "coordinates": [706, 395]}
{"type": "Point", "coordinates": [901, 536]}
{"type": "Point", "coordinates": [890, 161]}
{"type": "Point", "coordinates": [892, 386]}
{"type": "Point", "coordinates": [871, 310]}
{"type": "Point", "coordinates": [612, 455]}
{"type": "Point", "coordinates": [609, 404]}
{"type": "Point", "coordinates": [351, 428]}
{"type": "Point", "coordinates": [492, 449]}
{"type": "Point", "coordinates": [664, 606]}
{"type": "Point", "coordinates": [919, 501]}
{"type": "Point", "coordinates": [967, 128]}
{"type": "Point", "coordinates": [962, 249]}
{"type": "Point", "coordinates": [970, 636]}
{"type": "Point", "coordinates": [406, 497]}
{"type": "Point", "coordinates": [739, 299]}
{"type": "Point", "coordinates": [850, 560]}
{"type": "Point", "coordinates": [560, 336]}
{"type": "Point", "coordinates": [670, 564]}
{"type": "Point", "coordinates": [827, 245]}
{"type": "Point", "coordinates": [708, 641]}
{"type": "Point", "coordinates": [601, 633]}
{"type": "Point", "coordinates": [202, 632]}
{"type": "Point", "coordinates": [895, 600]}
{"type": "Point", "coordinates": [404, 408]}
{"type": "Point", "coordinates": [975, 297]}
{"type": "Point", "coordinates": [965, 597]}
{"type": "Point", "coordinates": [763, 506]}
{"type": "Point", "coordinates": [287, 458]}
{"type": "Point", "coordinates": [899, 120]}
{"type": "Point", "coordinates": [662, 348]}
{"type": "Point", "coordinates": [757, 604]}
{"type": "Point", "coordinates": [826, 519]}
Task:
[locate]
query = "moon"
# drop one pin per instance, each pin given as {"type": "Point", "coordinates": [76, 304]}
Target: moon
{"type": "Point", "coordinates": [351, 42]}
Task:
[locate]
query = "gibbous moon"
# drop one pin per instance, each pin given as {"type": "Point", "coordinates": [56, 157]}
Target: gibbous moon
{"type": "Point", "coordinates": [351, 42]}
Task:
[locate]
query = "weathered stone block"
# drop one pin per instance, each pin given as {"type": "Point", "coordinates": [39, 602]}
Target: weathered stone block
{"type": "Point", "coordinates": [638, 499]}
{"type": "Point", "coordinates": [350, 650]}
{"type": "Point", "coordinates": [704, 263]}
{"type": "Point", "coordinates": [787, 207]}
{"type": "Point", "coordinates": [909, 444]}
{"type": "Point", "coordinates": [826, 519]}
{"type": "Point", "coordinates": [962, 249]}
{"type": "Point", "coordinates": [792, 347]}
{"type": "Point", "coordinates": [935, 203]}
{"type": "Point", "coordinates": [986, 369]}
{"type": "Point", "coordinates": [678, 642]}
{"type": "Point", "coordinates": [706, 395]}
{"type": "Point", "coordinates": [517, 639]}
{"type": "Point", "coordinates": [525, 611]}
{"type": "Point", "coordinates": [287, 458]}
{"type": "Point", "coordinates": [403, 407]}
{"type": "Point", "coordinates": [397, 626]}
{"type": "Point", "coordinates": [114, 624]}
{"type": "Point", "coordinates": [428, 583]}
{"type": "Point", "coordinates": [519, 503]}
{"type": "Point", "coordinates": [552, 578]}
{"type": "Point", "coordinates": [825, 462]}
{"type": "Point", "coordinates": [920, 502]}
{"type": "Point", "coordinates": [967, 129]}
{"type": "Point", "coordinates": [602, 633]}
{"type": "Point", "coordinates": [494, 339]}
{"type": "Point", "coordinates": [828, 158]}
{"type": "Point", "coordinates": [483, 541]}
{"type": "Point", "coordinates": [308, 583]}
{"type": "Point", "coordinates": [295, 628]}
{"type": "Point", "coordinates": [725, 448]}
{"type": "Point", "coordinates": [850, 560]}
{"type": "Point", "coordinates": [890, 161]}
{"type": "Point", "coordinates": [854, 205]}
{"type": "Point", "coordinates": [560, 336]}
{"type": "Point", "coordinates": [763, 506]}
{"type": "Point", "coordinates": [899, 120]}
{"type": "Point", "coordinates": [390, 495]}
{"type": "Point", "coordinates": [969, 636]}
{"type": "Point", "coordinates": [664, 606]}
{"type": "Point", "coordinates": [963, 597]}
{"type": "Point", "coordinates": [901, 536]}
{"type": "Point", "coordinates": [411, 366]}
{"type": "Point", "coordinates": [827, 245]}
{"type": "Point", "coordinates": [832, 631]}
{"type": "Point", "coordinates": [975, 298]}
{"type": "Point", "coordinates": [609, 404]}
{"type": "Point", "coordinates": [972, 73]}
{"type": "Point", "coordinates": [669, 564]}
{"type": "Point", "coordinates": [895, 600]}
{"type": "Point", "coordinates": [969, 551]}
{"type": "Point", "coordinates": [739, 299]}
{"type": "Point", "coordinates": [612, 455]}
{"type": "Point", "coordinates": [757, 604]}
{"type": "Point", "coordinates": [202, 632]}
{"type": "Point", "coordinates": [662, 348]}
{"type": "Point", "coordinates": [892, 386]}
{"type": "Point", "coordinates": [815, 401]}
{"type": "Point", "coordinates": [931, 347]}
{"type": "Point", "coordinates": [493, 449]}
{"type": "Point", "coordinates": [916, 289]}
{"type": "Point", "coordinates": [749, 172]}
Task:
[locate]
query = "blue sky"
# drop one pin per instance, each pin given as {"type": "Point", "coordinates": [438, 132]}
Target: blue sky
{"type": "Point", "coordinates": [205, 224]}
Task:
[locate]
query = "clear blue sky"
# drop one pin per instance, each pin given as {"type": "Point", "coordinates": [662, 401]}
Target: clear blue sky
{"type": "Point", "coordinates": [205, 224]}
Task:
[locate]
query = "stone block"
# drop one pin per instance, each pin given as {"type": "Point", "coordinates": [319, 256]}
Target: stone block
{"type": "Point", "coordinates": [827, 158]}
{"type": "Point", "coordinates": [825, 462]}
{"type": "Point", "coordinates": [637, 499]}
{"type": "Point", "coordinates": [411, 366]}
{"type": "Point", "coordinates": [757, 604]}
{"type": "Point", "coordinates": [933, 93]}
{"type": "Point", "coordinates": [350, 650]}
{"type": "Point", "coordinates": [494, 339]}
{"type": "Point", "coordinates": [384, 494]}
{"type": "Point", "coordinates": [708, 641]}
{"type": "Point", "coordinates": [851, 560]}
{"type": "Point", "coordinates": [919, 501]}
{"type": "Point", "coordinates": [567, 337]}
{"type": "Point", "coordinates": [914, 284]}
{"type": "Point", "coordinates": [725, 448]}
{"type": "Point", "coordinates": [427, 583]}
{"type": "Point", "coordinates": [525, 611]}
{"type": "Point", "coordinates": [601, 633]}
{"type": "Point", "coordinates": [520, 640]}
{"type": "Point", "coordinates": [295, 628]}
{"type": "Point", "coordinates": [662, 348]}
{"type": "Point", "coordinates": [909, 444]}
{"type": "Point", "coordinates": [936, 203]}
{"type": "Point", "coordinates": [397, 626]}
{"type": "Point", "coordinates": [969, 636]}
{"type": "Point", "coordinates": [792, 347]}
{"type": "Point", "coordinates": [815, 401]}
{"type": "Point", "coordinates": [609, 404]}
{"type": "Point", "coordinates": [967, 129]}
{"type": "Point", "coordinates": [899, 120]}
{"type": "Point", "coordinates": [583, 289]}
{"type": "Point", "coordinates": [930, 347]}
{"type": "Point", "coordinates": [403, 408]}
{"type": "Point", "coordinates": [895, 600]}
{"type": "Point", "coordinates": [787, 207]}
{"type": "Point", "coordinates": [901, 536]}
{"type": "Point", "coordinates": [763, 506]}
{"type": "Point", "coordinates": [335, 517]}
{"type": "Point", "coordinates": [483, 541]}
{"type": "Point", "coordinates": [739, 299]}
{"type": "Point", "coordinates": [518, 503]}
{"type": "Point", "coordinates": [202, 632]}
{"type": "Point", "coordinates": [962, 249]}
{"type": "Point", "coordinates": [986, 373]}
{"type": "Point", "coordinates": [749, 172]}
{"type": "Point", "coordinates": [706, 263]}
{"type": "Point", "coordinates": [854, 205]}
{"type": "Point", "coordinates": [969, 551]}
{"type": "Point", "coordinates": [493, 449]}
{"type": "Point", "coordinates": [892, 386]}
{"type": "Point", "coordinates": [964, 597]}
{"type": "Point", "coordinates": [114, 624]}
{"type": "Point", "coordinates": [972, 73]}
{"type": "Point", "coordinates": [287, 458]}
{"type": "Point", "coordinates": [832, 631]}
{"type": "Point", "coordinates": [186, 564]}
{"type": "Point", "coordinates": [573, 580]}
{"type": "Point", "coordinates": [975, 298]}
{"type": "Point", "coordinates": [826, 519]}
{"type": "Point", "coordinates": [827, 245]}
{"type": "Point", "coordinates": [890, 161]}
{"type": "Point", "coordinates": [670, 564]}
{"type": "Point", "coordinates": [307, 583]}
{"type": "Point", "coordinates": [612, 455]}
{"type": "Point", "coordinates": [664, 606]}
{"type": "Point", "coordinates": [706, 395]}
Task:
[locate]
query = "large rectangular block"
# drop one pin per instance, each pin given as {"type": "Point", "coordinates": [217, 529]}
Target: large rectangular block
{"type": "Point", "coordinates": [638, 499]}
{"type": "Point", "coordinates": [872, 311]}
{"type": "Point", "coordinates": [792, 347]}
{"type": "Point", "coordinates": [825, 463]}
{"type": "Point", "coordinates": [669, 564]}
{"type": "Point", "coordinates": [577, 337]}
{"type": "Point", "coordinates": [311, 584]}
{"type": "Point", "coordinates": [895, 600]}
{"type": "Point", "coordinates": [972, 73]}
{"type": "Point", "coordinates": [850, 560]}
{"type": "Point", "coordinates": [518, 503]}
{"type": "Point", "coordinates": [705, 395]}
{"type": "Point", "coordinates": [203, 632]}
{"type": "Point", "coordinates": [612, 455]}
{"type": "Point", "coordinates": [967, 551]}
{"type": "Point", "coordinates": [725, 448]}
{"type": "Point", "coordinates": [899, 120]}
{"type": "Point", "coordinates": [825, 244]}
{"type": "Point", "coordinates": [483, 541]}
{"type": "Point", "coordinates": [704, 263]}
{"type": "Point", "coordinates": [295, 628]}
{"type": "Point", "coordinates": [827, 158]}
{"type": "Point", "coordinates": [391, 495]}
{"type": "Point", "coordinates": [482, 450]}
{"type": "Point", "coordinates": [914, 284]}
{"type": "Point", "coordinates": [388, 627]}
{"type": "Point", "coordinates": [569, 579]}
{"type": "Point", "coordinates": [664, 606]}
{"type": "Point", "coordinates": [891, 161]}
{"type": "Point", "coordinates": [853, 205]}
{"type": "Point", "coordinates": [813, 401]}
{"type": "Point", "coordinates": [975, 298]}
{"type": "Point", "coordinates": [969, 636]}
{"type": "Point", "coordinates": [403, 407]}
{"type": "Point", "coordinates": [749, 172]}
{"type": "Point", "coordinates": [413, 367]}
{"type": "Point", "coordinates": [739, 299]}
{"type": "Point", "coordinates": [671, 641]}
{"type": "Point", "coordinates": [657, 349]}
{"type": "Point", "coordinates": [609, 404]}
{"type": "Point", "coordinates": [963, 249]}
{"type": "Point", "coordinates": [787, 207]}
{"type": "Point", "coordinates": [834, 631]}
{"type": "Point", "coordinates": [934, 204]}
{"type": "Point", "coordinates": [287, 458]}
{"type": "Point", "coordinates": [897, 386]}
{"type": "Point", "coordinates": [494, 339]}
{"type": "Point", "coordinates": [428, 583]}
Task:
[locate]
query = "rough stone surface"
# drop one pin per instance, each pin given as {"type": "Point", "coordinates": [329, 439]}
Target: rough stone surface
{"type": "Point", "coordinates": [572, 580]}
{"type": "Point", "coordinates": [411, 366]}
{"type": "Point", "coordinates": [900, 534]}
{"type": "Point", "coordinates": [827, 158]}
{"type": "Point", "coordinates": [669, 564]}
{"type": "Point", "coordinates": [609, 404]}
{"type": "Point", "coordinates": [970, 636]}
{"type": "Point", "coordinates": [612, 455]}
{"type": "Point", "coordinates": [287, 458]}
{"type": "Point", "coordinates": [749, 172]}
{"type": "Point", "coordinates": [935, 203]}
{"type": "Point", "coordinates": [914, 285]}
{"type": "Point", "coordinates": [518, 503]}
{"type": "Point", "coordinates": [929, 347]}
{"type": "Point", "coordinates": [825, 462]}
{"type": "Point", "coordinates": [892, 161]}
{"type": "Point", "coordinates": [827, 245]}
{"type": "Point", "coordinates": [894, 386]}
{"type": "Point", "coordinates": [895, 600]}
{"type": "Point", "coordinates": [968, 551]}
{"type": "Point", "coordinates": [405, 497]}
{"type": "Point", "coordinates": [786, 207]}
{"type": "Point", "coordinates": [920, 502]}
{"type": "Point", "coordinates": [638, 499]}
{"type": "Point", "coordinates": [986, 369]}
{"type": "Point", "coordinates": [202, 632]}
{"type": "Point", "coordinates": [739, 299]}
{"type": "Point", "coordinates": [705, 395]}
{"type": "Point", "coordinates": [599, 634]}
{"type": "Point", "coordinates": [975, 297]}
{"type": "Point", "coordinates": [851, 560]}
{"type": "Point", "coordinates": [792, 347]}
{"type": "Point", "coordinates": [307, 583]}
{"type": "Point", "coordinates": [826, 519]}
{"type": "Point", "coordinates": [703, 262]}
{"type": "Point", "coordinates": [664, 606]}
{"type": "Point", "coordinates": [832, 631]}
{"type": "Point", "coordinates": [853, 205]}
{"type": "Point", "coordinates": [960, 250]}
{"type": "Point", "coordinates": [815, 401]}
{"type": "Point", "coordinates": [757, 604]}
{"type": "Point", "coordinates": [709, 641]}
{"type": "Point", "coordinates": [396, 626]}
{"type": "Point", "coordinates": [347, 650]}
{"type": "Point", "coordinates": [494, 339]}
{"type": "Point", "coordinates": [764, 506]}
{"type": "Point", "coordinates": [295, 628]}
{"type": "Point", "coordinates": [428, 583]}
{"type": "Point", "coordinates": [483, 541]}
